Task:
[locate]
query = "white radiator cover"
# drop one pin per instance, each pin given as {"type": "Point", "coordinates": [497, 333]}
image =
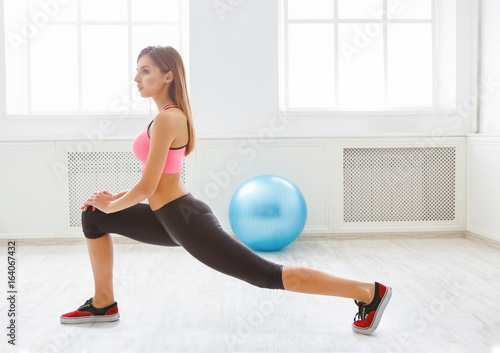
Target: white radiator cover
{"type": "Point", "coordinates": [399, 184]}
{"type": "Point", "coordinates": [396, 185]}
{"type": "Point", "coordinates": [89, 172]}
{"type": "Point", "coordinates": [94, 171]}
{"type": "Point", "coordinates": [111, 166]}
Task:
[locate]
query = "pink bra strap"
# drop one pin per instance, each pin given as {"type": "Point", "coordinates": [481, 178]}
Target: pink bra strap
{"type": "Point", "coordinates": [169, 106]}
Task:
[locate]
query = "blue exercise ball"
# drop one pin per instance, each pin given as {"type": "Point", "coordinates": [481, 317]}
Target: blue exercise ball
{"type": "Point", "coordinates": [267, 212]}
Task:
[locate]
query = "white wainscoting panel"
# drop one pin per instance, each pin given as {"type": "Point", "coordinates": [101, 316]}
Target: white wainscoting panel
{"type": "Point", "coordinates": [224, 165]}
{"type": "Point", "coordinates": [42, 202]}
{"type": "Point", "coordinates": [483, 186]}
{"type": "Point", "coordinates": [29, 190]}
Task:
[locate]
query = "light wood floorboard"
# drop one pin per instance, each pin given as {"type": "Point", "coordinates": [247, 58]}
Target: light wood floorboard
{"type": "Point", "coordinates": [445, 299]}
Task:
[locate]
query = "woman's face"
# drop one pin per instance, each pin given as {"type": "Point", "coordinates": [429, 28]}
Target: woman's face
{"type": "Point", "coordinates": [150, 80]}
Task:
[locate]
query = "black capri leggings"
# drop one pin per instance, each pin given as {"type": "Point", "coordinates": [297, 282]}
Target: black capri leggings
{"type": "Point", "coordinates": [190, 223]}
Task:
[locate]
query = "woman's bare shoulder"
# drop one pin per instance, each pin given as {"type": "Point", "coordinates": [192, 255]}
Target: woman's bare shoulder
{"type": "Point", "coordinates": [172, 115]}
{"type": "Point", "coordinates": [170, 120]}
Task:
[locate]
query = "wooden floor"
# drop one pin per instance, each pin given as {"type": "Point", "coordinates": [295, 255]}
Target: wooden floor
{"type": "Point", "coordinates": [445, 299]}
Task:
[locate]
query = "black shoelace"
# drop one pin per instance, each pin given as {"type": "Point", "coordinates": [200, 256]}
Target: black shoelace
{"type": "Point", "coordinates": [86, 304]}
{"type": "Point", "coordinates": [361, 314]}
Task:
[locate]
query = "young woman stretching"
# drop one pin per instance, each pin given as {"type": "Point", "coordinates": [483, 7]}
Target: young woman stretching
{"type": "Point", "coordinates": [175, 218]}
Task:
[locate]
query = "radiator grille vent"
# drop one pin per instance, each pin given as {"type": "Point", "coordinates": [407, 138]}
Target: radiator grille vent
{"type": "Point", "coordinates": [399, 184]}
{"type": "Point", "coordinates": [89, 172]}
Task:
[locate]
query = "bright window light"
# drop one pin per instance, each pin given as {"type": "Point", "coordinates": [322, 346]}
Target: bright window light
{"type": "Point", "coordinates": [79, 56]}
{"type": "Point", "coordinates": [368, 55]}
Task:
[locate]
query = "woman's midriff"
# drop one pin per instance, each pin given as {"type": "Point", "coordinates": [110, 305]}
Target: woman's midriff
{"type": "Point", "coordinates": [169, 188]}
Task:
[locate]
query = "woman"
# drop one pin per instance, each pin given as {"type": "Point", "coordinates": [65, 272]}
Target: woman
{"type": "Point", "coordinates": [175, 218]}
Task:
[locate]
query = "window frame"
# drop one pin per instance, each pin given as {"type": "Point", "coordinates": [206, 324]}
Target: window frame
{"type": "Point", "coordinates": [79, 115]}
{"type": "Point", "coordinates": [466, 67]}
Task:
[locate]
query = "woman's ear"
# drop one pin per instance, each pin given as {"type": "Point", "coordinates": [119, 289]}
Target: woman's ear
{"type": "Point", "coordinates": [169, 77]}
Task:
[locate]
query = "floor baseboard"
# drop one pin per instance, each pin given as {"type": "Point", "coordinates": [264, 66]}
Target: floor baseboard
{"type": "Point", "coordinates": [303, 237]}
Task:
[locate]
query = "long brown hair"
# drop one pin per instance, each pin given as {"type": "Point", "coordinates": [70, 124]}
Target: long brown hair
{"type": "Point", "coordinates": [168, 59]}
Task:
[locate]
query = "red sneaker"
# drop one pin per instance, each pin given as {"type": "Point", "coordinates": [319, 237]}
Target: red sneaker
{"type": "Point", "coordinates": [89, 313]}
{"type": "Point", "coordinates": [369, 315]}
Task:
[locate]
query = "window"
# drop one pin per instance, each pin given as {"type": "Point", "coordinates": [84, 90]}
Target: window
{"type": "Point", "coordinates": [78, 57]}
{"type": "Point", "coordinates": [368, 56]}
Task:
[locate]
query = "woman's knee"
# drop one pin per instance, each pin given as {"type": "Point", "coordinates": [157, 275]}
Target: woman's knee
{"type": "Point", "coordinates": [270, 279]}
{"type": "Point", "coordinates": [90, 222]}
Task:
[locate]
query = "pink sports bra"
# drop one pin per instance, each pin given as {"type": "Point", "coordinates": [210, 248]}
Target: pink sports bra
{"type": "Point", "coordinates": [175, 155]}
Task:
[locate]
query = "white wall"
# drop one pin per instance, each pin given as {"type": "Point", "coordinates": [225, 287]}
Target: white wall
{"type": "Point", "coordinates": [234, 68]}
{"type": "Point", "coordinates": [483, 165]}
{"type": "Point", "coordinates": [224, 165]}
{"type": "Point", "coordinates": [483, 190]}
{"type": "Point", "coordinates": [29, 190]}
{"type": "Point", "coordinates": [234, 64]}
{"type": "Point", "coordinates": [490, 70]}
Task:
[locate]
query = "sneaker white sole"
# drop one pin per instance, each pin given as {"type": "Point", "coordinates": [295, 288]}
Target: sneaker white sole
{"type": "Point", "coordinates": [378, 315]}
{"type": "Point", "coordinates": [87, 319]}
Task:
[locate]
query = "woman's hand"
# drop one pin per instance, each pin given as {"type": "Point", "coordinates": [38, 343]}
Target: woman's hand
{"type": "Point", "coordinates": [100, 200]}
